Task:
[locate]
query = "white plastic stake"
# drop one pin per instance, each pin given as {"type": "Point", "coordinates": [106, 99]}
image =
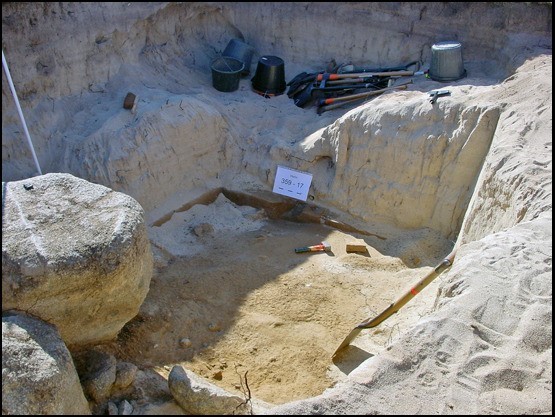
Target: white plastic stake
{"type": "Point", "coordinates": [10, 82]}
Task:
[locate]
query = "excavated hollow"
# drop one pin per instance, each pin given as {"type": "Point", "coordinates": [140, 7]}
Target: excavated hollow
{"type": "Point", "coordinates": [395, 174]}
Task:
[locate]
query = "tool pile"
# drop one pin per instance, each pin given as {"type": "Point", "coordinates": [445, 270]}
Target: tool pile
{"type": "Point", "coordinates": [345, 84]}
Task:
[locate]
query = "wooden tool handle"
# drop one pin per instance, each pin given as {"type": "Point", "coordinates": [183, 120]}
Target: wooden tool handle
{"type": "Point", "coordinates": [331, 77]}
{"type": "Point", "coordinates": [396, 306]}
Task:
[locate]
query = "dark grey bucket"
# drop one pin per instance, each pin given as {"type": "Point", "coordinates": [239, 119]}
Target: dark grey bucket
{"type": "Point", "coordinates": [447, 62]}
{"type": "Point", "coordinates": [226, 73]}
{"type": "Point", "coordinates": [238, 49]}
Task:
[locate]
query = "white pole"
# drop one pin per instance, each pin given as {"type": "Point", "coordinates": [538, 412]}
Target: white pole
{"type": "Point", "coordinates": [6, 69]}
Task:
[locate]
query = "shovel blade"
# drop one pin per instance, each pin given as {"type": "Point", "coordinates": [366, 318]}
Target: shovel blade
{"type": "Point", "coordinates": [304, 97]}
{"type": "Point", "coordinates": [350, 337]}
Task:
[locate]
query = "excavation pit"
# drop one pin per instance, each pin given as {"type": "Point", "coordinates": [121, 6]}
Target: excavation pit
{"type": "Point", "coordinates": [233, 296]}
{"type": "Point", "coordinates": [396, 180]}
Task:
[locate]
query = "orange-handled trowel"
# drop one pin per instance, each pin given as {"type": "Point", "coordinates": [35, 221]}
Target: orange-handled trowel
{"type": "Point", "coordinates": [320, 247]}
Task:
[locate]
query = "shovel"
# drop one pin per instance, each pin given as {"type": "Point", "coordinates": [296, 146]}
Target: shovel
{"type": "Point", "coordinates": [347, 68]}
{"type": "Point", "coordinates": [396, 306]}
{"type": "Point", "coordinates": [305, 95]}
{"type": "Point", "coordinates": [325, 76]}
{"type": "Point", "coordinates": [332, 100]}
{"type": "Point", "coordinates": [341, 101]}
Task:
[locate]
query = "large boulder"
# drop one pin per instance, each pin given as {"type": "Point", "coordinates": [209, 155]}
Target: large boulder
{"type": "Point", "coordinates": [38, 375]}
{"type": "Point", "coordinates": [74, 254]}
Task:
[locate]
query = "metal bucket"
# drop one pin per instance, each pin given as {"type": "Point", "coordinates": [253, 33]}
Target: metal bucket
{"type": "Point", "coordinates": [447, 62]}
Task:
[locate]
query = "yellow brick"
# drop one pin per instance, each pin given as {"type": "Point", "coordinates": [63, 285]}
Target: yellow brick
{"type": "Point", "coordinates": [356, 247]}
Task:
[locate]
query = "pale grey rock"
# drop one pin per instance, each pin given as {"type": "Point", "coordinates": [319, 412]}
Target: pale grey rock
{"type": "Point", "coordinates": [112, 409]}
{"type": "Point", "coordinates": [125, 375]}
{"type": "Point", "coordinates": [75, 254]}
{"type": "Point", "coordinates": [197, 396]}
{"type": "Point", "coordinates": [124, 408]}
{"type": "Point", "coordinates": [185, 343]}
{"type": "Point", "coordinates": [97, 371]}
{"type": "Point", "coordinates": [38, 375]}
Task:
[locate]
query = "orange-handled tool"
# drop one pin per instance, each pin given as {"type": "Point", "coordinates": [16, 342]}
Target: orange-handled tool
{"type": "Point", "coordinates": [332, 100]}
{"type": "Point", "coordinates": [321, 247]}
{"type": "Point", "coordinates": [353, 98]}
{"type": "Point", "coordinates": [332, 77]}
{"type": "Point", "coordinates": [396, 306]}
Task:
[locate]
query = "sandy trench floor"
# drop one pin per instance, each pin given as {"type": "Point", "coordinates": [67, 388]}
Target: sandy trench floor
{"type": "Point", "coordinates": [247, 311]}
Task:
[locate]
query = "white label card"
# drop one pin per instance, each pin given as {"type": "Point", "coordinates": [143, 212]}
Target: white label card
{"type": "Point", "coordinates": [292, 183]}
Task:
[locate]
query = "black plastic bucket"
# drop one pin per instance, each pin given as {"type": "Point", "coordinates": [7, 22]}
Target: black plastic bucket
{"type": "Point", "coordinates": [236, 48]}
{"type": "Point", "coordinates": [269, 79]}
{"type": "Point", "coordinates": [226, 73]}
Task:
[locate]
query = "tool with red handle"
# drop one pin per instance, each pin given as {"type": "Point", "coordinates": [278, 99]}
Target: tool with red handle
{"type": "Point", "coordinates": [331, 77]}
{"type": "Point", "coordinates": [396, 306]}
{"type": "Point", "coordinates": [350, 97]}
{"type": "Point", "coordinates": [321, 247]}
{"type": "Point", "coordinates": [341, 101]}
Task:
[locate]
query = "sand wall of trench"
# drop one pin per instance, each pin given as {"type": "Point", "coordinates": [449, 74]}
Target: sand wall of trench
{"type": "Point", "coordinates": [413, 166]}
{"type": "Point", "coordinates": [402, 162]}
{"type": "Point", "coordinates": [377, 34]}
